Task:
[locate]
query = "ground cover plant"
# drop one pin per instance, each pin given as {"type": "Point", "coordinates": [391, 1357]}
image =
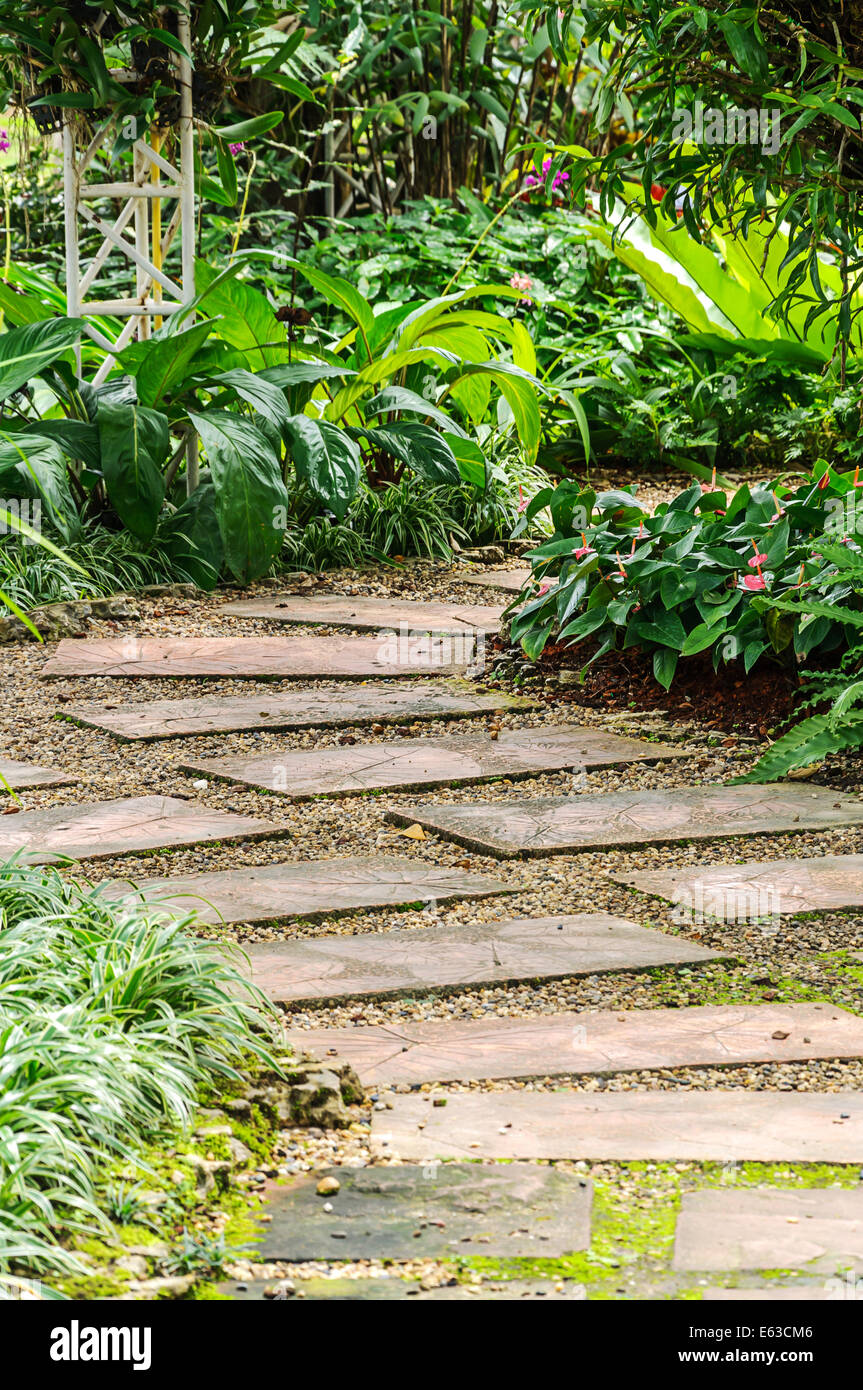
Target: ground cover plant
{"type": "Point", "coordinates": [112, 1018]}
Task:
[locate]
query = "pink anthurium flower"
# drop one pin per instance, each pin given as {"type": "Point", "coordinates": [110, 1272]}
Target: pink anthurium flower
{"type": "Point", "coordinates": [758, 559]}
{"type": "Point", "coordinates": [543, 588]}
{"type": "Point", "coordinates": [754, 582]}
{"type": "Point", "coordinates": [584, 548]}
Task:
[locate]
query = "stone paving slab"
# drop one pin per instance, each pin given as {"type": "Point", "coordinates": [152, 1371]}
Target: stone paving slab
{"type": "Point", "coordinates": [261, 658]}
{"type": "Point", "coordinates": [819, 1229]}
{"type": "Point", "coordinates": [279, 892]}
{"type": "Point", "coordinates": [430, 762]}
{"type": "Point", "coordinates": [369, 614]}
{"type": "Point", "coordinates": [429, 958]}
{"type": "Point", "coordinates": [408, 1212]}
{"type": "Point", "coordinates": [743, 892]}
{"type": "Point", "coordinates": [511, 580]}
{"type": "Point", "coordinates": [102, 829]}
{"type": "Point", "coordinates": [24, 776]}
{"type": "Point", "coordinates": [627, 819]}
{"type": "Point", "coordinates": [393, 1289]}
{"type": "Point", "coordinates": [322, 708]}
{"type": "Point", "coordinates": [629, 1126]}
{"type": "Point", "coordinates": [576, 1044]}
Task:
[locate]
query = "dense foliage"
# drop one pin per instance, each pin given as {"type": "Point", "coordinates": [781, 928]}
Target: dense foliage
{"type": "Point", "coordinates": [704, 572]}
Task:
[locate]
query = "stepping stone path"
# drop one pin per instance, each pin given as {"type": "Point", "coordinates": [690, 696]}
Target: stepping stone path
{"type": "Point", "coordinates": [511, 580]}
{"type": "Point", "coordinates": [404, 962]}
{"type": "Point", "coordinates": [326, 707]}
{"type": "Point", "coordinates": [556, 825]}
{"type": "Point", "coordinates": [581, 1044]}
{"type": "Point", "coordinates": [369, 614]}
{"type": "Point", "coordinates": [820, 1230]}
{"type": "Point", "coordinates": [430, 762]}
{"type": "Point", "coordinates": [419, 1207]}
{"type": "Point", "coordinates": [626, 1126]}
{"type": "Point", "coordinates": [280, 892]}
{"type": "Point", "coordinates": [21, 776]}
{"type": "Point", "coordinates": [408, 1213]}
{"type": "Point", "coordinates": [106, 828]}
{"type": "Point", "coordinates": [742, 892]}
{"type": "Point", "coordinates": [264, 658]}
{"type": "Point", "coordinates": [394, 1289]}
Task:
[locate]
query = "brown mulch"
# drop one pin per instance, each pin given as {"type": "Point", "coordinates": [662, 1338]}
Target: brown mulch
{"type": "Point", "coordinates": [724, 700]}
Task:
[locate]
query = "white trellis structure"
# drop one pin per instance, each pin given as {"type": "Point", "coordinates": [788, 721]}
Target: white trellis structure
{"type": "Point", "coordinates": [155, 180]}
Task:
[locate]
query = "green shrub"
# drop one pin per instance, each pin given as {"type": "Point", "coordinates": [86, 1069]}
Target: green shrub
{"type": "Point", "coordinates": [702, 573]}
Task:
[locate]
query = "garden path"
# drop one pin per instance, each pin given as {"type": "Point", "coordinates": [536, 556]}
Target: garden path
{"type": "Point", "coordinates": [430, 1186]}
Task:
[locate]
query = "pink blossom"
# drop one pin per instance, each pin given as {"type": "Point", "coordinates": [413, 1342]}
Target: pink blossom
{"type": "Point", "coordinates": [531, 180]}
{"type": "Point", "coordinates": [5, 142]}
{"type": "Point", "coordinates": [543, 588]}
{"type": "Point", "coordinates": [521, 282]}
{"type": "Point", "coordinates": [754, 582]}
{"type": "Point", "coordinates": [757, 561]}
{"type": "Point", "coordinates": [235, 149]}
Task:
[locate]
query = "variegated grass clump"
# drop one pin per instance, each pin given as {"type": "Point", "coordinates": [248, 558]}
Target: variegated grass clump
{"type": "Point", "coordinates": [111, 1019]}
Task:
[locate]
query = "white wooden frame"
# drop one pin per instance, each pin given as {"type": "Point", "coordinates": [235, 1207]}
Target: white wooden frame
{"type": "Point", "coordinates": [155, 180]}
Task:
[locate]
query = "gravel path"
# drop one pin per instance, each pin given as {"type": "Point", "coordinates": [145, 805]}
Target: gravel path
{"type": "Point", "coordinates": [804, 958]}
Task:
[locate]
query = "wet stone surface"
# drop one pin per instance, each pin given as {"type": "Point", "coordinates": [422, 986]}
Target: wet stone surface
{"type": "Point", "coordinates": [103, 829]}
{"type": "Point", "coordinates": [297, 658]}
{"type": "Point", "coordinates": [277, 892]}
{"type": "Point", "coordinates": [589, 1043]}
{"type": "Point", "coordinates": [407, 1212]}
{"type": "Point", "coordinates": [370, 615]}
{"type": "Point", "coordinates": [706, 1126]}
{"type": "Point", "coordinates": [769, 1228]}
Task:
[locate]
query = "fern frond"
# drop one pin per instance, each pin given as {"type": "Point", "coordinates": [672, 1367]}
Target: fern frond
{"type": "Point", "coordinates": [808, 742]}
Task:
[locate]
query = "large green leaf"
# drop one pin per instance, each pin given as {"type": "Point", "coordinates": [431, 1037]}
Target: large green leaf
{"type": "Point", "coordinates": [159, 365]}
{"type": "Point", "coordinates": [192, 537]}
{"type": "Point", "coordinates": [266, 398]}
{"type": "Point", "coordinates": [247, 319]}
{"type": "Point", "coordinates": [519, 390]}
{"type": "Point", "coordinates": [339, 292]}
{"type": "Point", "coordinates": [327, 459]}
{"type": "Point", "coordinates": [27, 350]}
{"type": "Point", "coordinates": [394, 398]}
{"type": "Point", "coordinates": [250, 492]}
{"type": "Point", "coordinates": [33, 465]}
{"type": "Point", "coordinates": [420, 447]}
{"type": "Point", "coordinates": [134, 443]}
{"type": "Point", "coordinates": [79, 439]}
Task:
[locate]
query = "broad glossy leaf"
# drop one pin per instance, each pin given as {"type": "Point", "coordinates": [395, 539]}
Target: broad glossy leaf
{"type": "Point", "coordinates": [27, 350]}
{"type": "Point", "coordinates": [160, 366]}
{"type": "Point", "coordinates": [133, 444]}
{"type": "Point", "coordinates": [327, 460]}
{"type": "Point", "coordinates": [249, 491]}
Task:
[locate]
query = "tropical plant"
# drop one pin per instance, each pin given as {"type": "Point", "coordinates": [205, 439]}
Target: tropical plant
{"type": "Point", "coordinates": [408, 388]}
{"type": "Point", "coordinates": [723, 285]}
{"type": "Point", "coordinates": [838, 729]}
{"type": "Point", "coordinates": [690, 577]}
{"type": "Point", "coordinates": [799, 66]}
